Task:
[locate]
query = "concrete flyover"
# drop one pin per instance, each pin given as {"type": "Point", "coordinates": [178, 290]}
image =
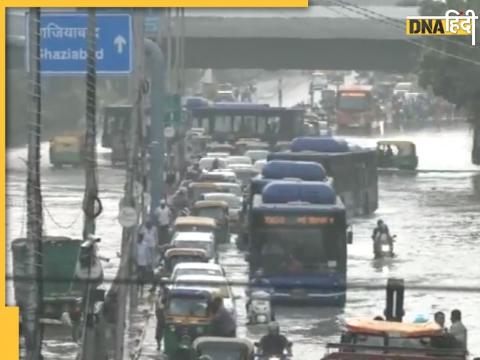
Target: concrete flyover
{"type": "Point", "coordinates": [319, 37]}
{"type": "Point", "coordinates": [315, 38]}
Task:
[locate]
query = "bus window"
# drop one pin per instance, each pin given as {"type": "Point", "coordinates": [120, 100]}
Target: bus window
{"type": "Point", "coordinates": [248, 125]}
{"type": "Point", "coordinates": [261, 125]}
{"type": "Point", "coordinates": [353, 101]}
{"type": "Point", "coordinates": [222, 124]}
{"type": "Point", "coordinates": [237, 123]}
{"type": "Point", "coordinates": [273, 123]}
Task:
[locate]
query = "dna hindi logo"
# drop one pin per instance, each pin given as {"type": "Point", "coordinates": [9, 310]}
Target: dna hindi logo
{"type": "Point", "coordinates": [458, 23]}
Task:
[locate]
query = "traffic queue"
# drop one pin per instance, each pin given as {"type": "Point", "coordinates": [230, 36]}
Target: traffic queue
{"type": "Point", "coordinates": [196, 307]}
{"type": "Point", "coordinates": [294, 230]}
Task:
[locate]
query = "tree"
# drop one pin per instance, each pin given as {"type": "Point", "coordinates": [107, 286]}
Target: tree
{"type": "Point", "coordinates": [454, 77]}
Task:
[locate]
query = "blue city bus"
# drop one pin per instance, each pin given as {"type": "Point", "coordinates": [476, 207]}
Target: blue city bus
{"type": "Point", "coordinates": [354, 171]}
{"type": "Point", "coordinates": [283, 170]}
{"type": "Point", "coordinates": [233, 121]}
{"type": "Point", "coordinates": [298, 242]}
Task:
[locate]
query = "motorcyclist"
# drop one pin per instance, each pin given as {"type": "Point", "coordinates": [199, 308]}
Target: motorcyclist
{"type": "Point", "coordinates": [274, 344]}
{"type": "Point", "coordinates": [258, 283]}
{"type": "Point", "coordinates": [381, 233]}
{"type": "Point", "coordinates": [223, 323]}
{"type": "Point", "coordinates": [180, 200]}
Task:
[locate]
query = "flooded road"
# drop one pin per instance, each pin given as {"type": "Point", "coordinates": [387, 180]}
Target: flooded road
{"type": "Point", "coordinates": [434, 215]}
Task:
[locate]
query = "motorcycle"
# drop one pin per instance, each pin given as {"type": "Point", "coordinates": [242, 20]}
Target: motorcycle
{"type": "Point", "coordinates": [383, 248]}
{"type": "Point", "coordinates": [287, 354]}
{"type": "Point", "coordinates": [259, 310]}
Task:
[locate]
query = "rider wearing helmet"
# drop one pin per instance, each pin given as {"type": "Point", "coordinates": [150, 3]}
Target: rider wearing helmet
{"type": "Point", "coordinates": [223, 323]}
{"type": "Point", "coordinates": [378, 233]}
{"type": "Point", "coordinates": [274, 344]}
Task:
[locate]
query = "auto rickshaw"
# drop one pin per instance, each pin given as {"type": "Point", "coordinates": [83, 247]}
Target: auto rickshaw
{"type": "Point", "coordinates": [397, 154]}
{"type": "Point", "coordinates": [224, 348]}
{"type": "Point", "coordinates": [217, 210]}
{"type": "Point", "coordinates": [194, 223]}
{"type": "Point", "coordinates": [197, 189]}
{"type": "Point", "coordinates": [175, 256]}
{"type": "Point", "coordinates": [67, 150]}
{"type": "Point", "coordinates": [188, 316]}
{"type": "Point", "coordinates": [391, 340]}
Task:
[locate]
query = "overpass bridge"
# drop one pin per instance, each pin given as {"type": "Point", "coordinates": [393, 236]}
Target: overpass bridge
{"type": "Point", "coordinates": [320, 37]}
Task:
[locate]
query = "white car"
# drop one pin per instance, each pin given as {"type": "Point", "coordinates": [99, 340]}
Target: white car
{"type": "Point", "coordinates": [233, 160]}
{"type": "Point", "coordinates": [259, 164]}
{"type": "Point", "coordinates": [196, 240]}
{"type": "Point", "coordinates": [220, 155]}
{"type": "Point", "coordinates": [213, 284]}
{"type": "Point", "coordinates": [244, 173]}
{"type": "Point", "coordinates": [196, 268]}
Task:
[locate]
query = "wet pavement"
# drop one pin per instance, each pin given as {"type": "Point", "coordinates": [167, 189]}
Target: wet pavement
{"type": "Point", "coordinates": [434, 215]}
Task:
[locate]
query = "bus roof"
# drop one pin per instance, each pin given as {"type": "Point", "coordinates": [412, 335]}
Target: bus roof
{"type": "Point", "coordinates": [231, 108]}
{"type": "Point", "coordinates": [300, 208]}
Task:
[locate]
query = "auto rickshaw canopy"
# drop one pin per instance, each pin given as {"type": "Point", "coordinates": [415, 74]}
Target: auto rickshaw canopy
{"type": "Point", "coordinates": [195, 221]}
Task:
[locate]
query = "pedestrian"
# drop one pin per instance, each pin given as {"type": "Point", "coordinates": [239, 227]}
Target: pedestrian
{"type": "Point", "coordinates": [150, 236]}
{"type": "Point", "coordinates": [223, 324]}
{"type": "Point", "coordinates": [163, 214]}
{"type": "Point", "coordinates": [457, 329]}
{"type": "Point", "coordinates": [160, 303]}
{"type": "Point", "coordinates": [144, 264]}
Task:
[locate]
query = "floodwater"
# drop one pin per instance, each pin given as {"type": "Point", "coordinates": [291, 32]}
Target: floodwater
{"type": "Point", "coordinates": [434, 216]}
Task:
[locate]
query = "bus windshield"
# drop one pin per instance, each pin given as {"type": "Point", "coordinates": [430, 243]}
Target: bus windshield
{"type": "Point", "coordinates": [297, 249]}
{"type": "Point", "coordinates": [353, 102]}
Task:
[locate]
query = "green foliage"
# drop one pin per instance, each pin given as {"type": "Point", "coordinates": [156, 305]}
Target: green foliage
{"type": "Point", "coordinates": [453, 79]}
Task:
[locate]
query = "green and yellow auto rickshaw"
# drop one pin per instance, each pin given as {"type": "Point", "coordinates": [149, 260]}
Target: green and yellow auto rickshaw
{"type": "Point", "coordinates": [397, 154]}
{"type": "Point", "coordinates": [188, 316]}
{"type": "Point", "coordinates": [217, 210]}
{"type": "Point", "coordinates": [194, 223]}
{"type": "Point", "coordinates": [67, 150]}
{"type": "Point", "coordinates": [175, 256]}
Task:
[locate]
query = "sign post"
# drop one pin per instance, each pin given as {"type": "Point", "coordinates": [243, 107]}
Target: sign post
{"type": "Point", "coordinates": [63, 43]}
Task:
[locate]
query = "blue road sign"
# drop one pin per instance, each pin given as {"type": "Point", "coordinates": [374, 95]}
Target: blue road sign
{"type": "Point", "coordinates": [63, 44]}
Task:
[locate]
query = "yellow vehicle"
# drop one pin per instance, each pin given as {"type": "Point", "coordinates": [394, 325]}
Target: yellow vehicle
{"type": "Point", "coordinates": [175, 256]}
{"type": "Point", "coordinates": [194, 223]}
{"type": "Point", "coordinates": [187, 317]}
{"type": "Point", "coordinates": [67, 150]}
{"type": "Point", "coordinates": [391, 340]}
{"type": "Point", "coordinates": [217, 210]}
{"type": "Point", "coordinates": [196, 190]}
{"type": "Point", "coordinates": [397, 154]}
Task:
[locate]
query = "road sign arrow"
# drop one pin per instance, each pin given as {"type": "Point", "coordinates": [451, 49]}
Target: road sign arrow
{"type": "Point", "coordinates": [120, 41]}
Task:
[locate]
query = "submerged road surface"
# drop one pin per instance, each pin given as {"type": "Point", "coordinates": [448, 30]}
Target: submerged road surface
{"type": "Point", "coordinates": [434, 215]}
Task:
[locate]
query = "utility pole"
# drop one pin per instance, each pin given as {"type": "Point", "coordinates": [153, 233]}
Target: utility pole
{"type": "Point", "coordinates": [91, 203]}
{"type": "Point", "coordinates": [33, 307]}
{"type": "Point", "coordinates": [280, 92]}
